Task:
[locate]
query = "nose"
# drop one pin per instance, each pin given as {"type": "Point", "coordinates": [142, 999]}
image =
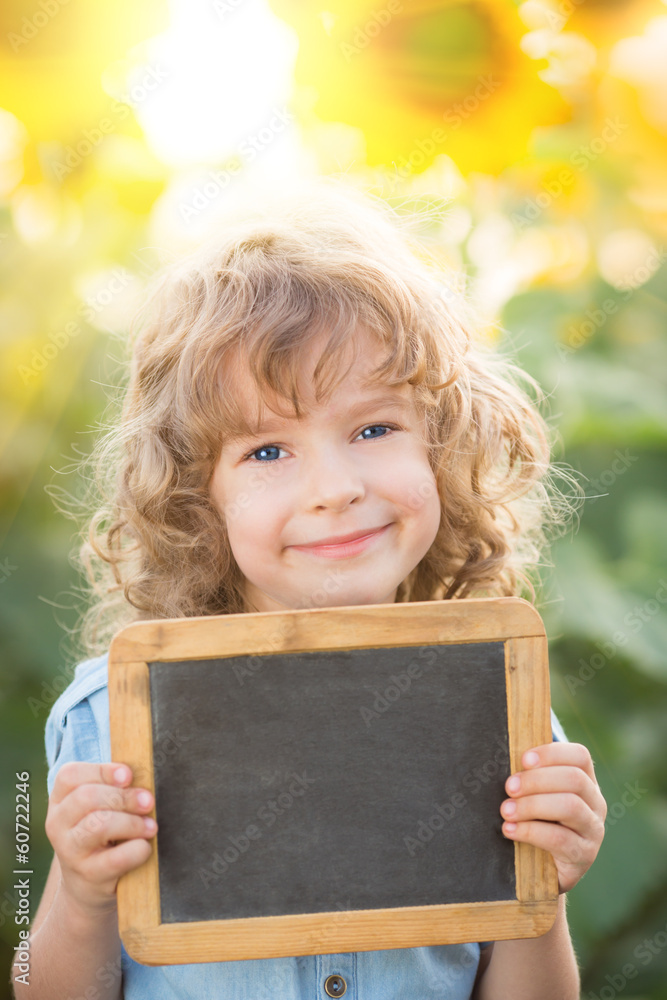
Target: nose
{"type": "Point", "coordinates": [331, 480]}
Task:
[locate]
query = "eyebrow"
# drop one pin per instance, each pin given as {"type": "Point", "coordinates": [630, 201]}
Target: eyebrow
{"type": "Point", "coordinates": [273, 424]}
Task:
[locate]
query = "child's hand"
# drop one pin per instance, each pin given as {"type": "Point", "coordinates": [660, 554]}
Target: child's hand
{"type": "Point", "coordinates": [89, 810]}
{"type": "Point", "coordinates": [556, 804]}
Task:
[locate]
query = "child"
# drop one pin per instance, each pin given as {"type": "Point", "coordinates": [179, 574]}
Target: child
{"type": "Point", "coordinates": [307, 423]}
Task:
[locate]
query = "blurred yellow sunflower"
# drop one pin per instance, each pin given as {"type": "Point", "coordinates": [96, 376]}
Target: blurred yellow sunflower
{"type": "Point", "coordinates": [422, 79]}
{"type": "Point", "coordinates": [54, 54]}
{"type": "Point", "coordinates": [603, 22]}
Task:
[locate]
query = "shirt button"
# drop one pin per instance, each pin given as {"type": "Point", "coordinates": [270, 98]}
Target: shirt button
{"type": "Point", "coordinates": [335, 986]}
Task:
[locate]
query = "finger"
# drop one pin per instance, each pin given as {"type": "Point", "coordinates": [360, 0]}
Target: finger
{"type": "Point", "coordinates": [113, 862]}
{"type": "Point", "coordinates": [553, 754]}
{"type": "Point", "coordinates": [564, 845]}
{"type": "Point", "coordinates": [100, 828]}
{"type": "Point", "coordinates": [558, 778]}
{"type": "Point", "coordinates": [96, 797]}
{"type": "Point", "coordinates": [564, 808]}
{"type": "Point", "coordinates": [75, 773]}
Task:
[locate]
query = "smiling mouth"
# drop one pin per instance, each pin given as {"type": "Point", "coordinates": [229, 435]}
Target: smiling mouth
{"type": "Point", "coordinates": [342, 550]}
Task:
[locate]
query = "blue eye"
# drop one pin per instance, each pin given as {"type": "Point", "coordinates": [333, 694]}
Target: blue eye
{"type": "Point", "coordinates": [375, 427]}
{"type": "Point", "coordinates": [264, 450]}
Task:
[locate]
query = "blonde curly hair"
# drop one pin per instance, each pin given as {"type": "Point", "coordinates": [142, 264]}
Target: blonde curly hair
{"type": "Point", "coordinates": [331, 259]}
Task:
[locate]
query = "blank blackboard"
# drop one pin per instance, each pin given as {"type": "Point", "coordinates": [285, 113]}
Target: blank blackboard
{"type": "Point", "coordinates": [340, 794]}
{"type": "Point", "coordinates": [362, 782]}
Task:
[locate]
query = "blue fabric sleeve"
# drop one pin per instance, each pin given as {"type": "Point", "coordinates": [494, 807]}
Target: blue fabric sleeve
{"type": "Point", "coordinates": [77, 739]}
{"type": "Point", "coordinates": [557, 730]}
{"type": "Point", "coordinates": [71, 731]}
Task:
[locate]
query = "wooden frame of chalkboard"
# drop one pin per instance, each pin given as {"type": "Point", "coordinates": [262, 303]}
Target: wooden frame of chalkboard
{"type": "Point", "coordinates": [162, 645]}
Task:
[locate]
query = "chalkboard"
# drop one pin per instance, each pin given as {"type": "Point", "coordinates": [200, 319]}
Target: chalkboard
{"type": "Point", "coordinates": [330, 780]}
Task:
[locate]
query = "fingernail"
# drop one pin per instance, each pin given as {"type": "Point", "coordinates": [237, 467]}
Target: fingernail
{"type": "Point", "coordinates": [509, 808]}
{"type": "Point", "coordinates": [120, 774]}
{"type": "Point", "coordinates": [530, 759]}
{"type": "Point", "coordinates": [509, 827]}
{"type": "Point", "coordinates": [149, 824]}
{"type": "Point", "coordinates": [514, 783]}
{"type": "Point", "coordinates": [144, 798]}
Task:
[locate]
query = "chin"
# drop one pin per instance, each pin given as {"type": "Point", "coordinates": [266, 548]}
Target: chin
{"type": "Point", "coordinates": [361, 599]}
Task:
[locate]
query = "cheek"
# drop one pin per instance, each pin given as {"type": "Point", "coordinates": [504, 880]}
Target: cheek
{"type": "Point", "coordinates": [235, 490]}
{"type": "Point", "coordinates": [427, 510]}
{"type": "Point", "coordinates": [248, 520]}
{"type": "Point", "coordinates": [249, 505]}
{"type": "Point", "coordinates": [417, 491]}
{"type": "Point", "coordinates": [432, 513]}
{"type": "Point", "coordinates": [216, 487]}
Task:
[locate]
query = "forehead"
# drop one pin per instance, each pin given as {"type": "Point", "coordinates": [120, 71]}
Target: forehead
{"type": "Point", "coordinates": [258, 406]}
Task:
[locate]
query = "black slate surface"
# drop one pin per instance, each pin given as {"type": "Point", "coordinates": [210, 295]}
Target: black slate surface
{"type": "Point", "coordinates": [309, 782]}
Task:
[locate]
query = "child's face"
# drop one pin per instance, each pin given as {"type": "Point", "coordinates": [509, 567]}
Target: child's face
{"type": "Point", "coordinates": [356, 464]}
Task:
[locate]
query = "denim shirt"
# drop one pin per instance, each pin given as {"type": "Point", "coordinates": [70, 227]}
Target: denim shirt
{"type": "Point", "coordinates": [78, 729]}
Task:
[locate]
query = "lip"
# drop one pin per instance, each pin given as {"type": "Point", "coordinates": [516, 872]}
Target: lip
{"type": "Point", "coordinates": [342, 546]}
